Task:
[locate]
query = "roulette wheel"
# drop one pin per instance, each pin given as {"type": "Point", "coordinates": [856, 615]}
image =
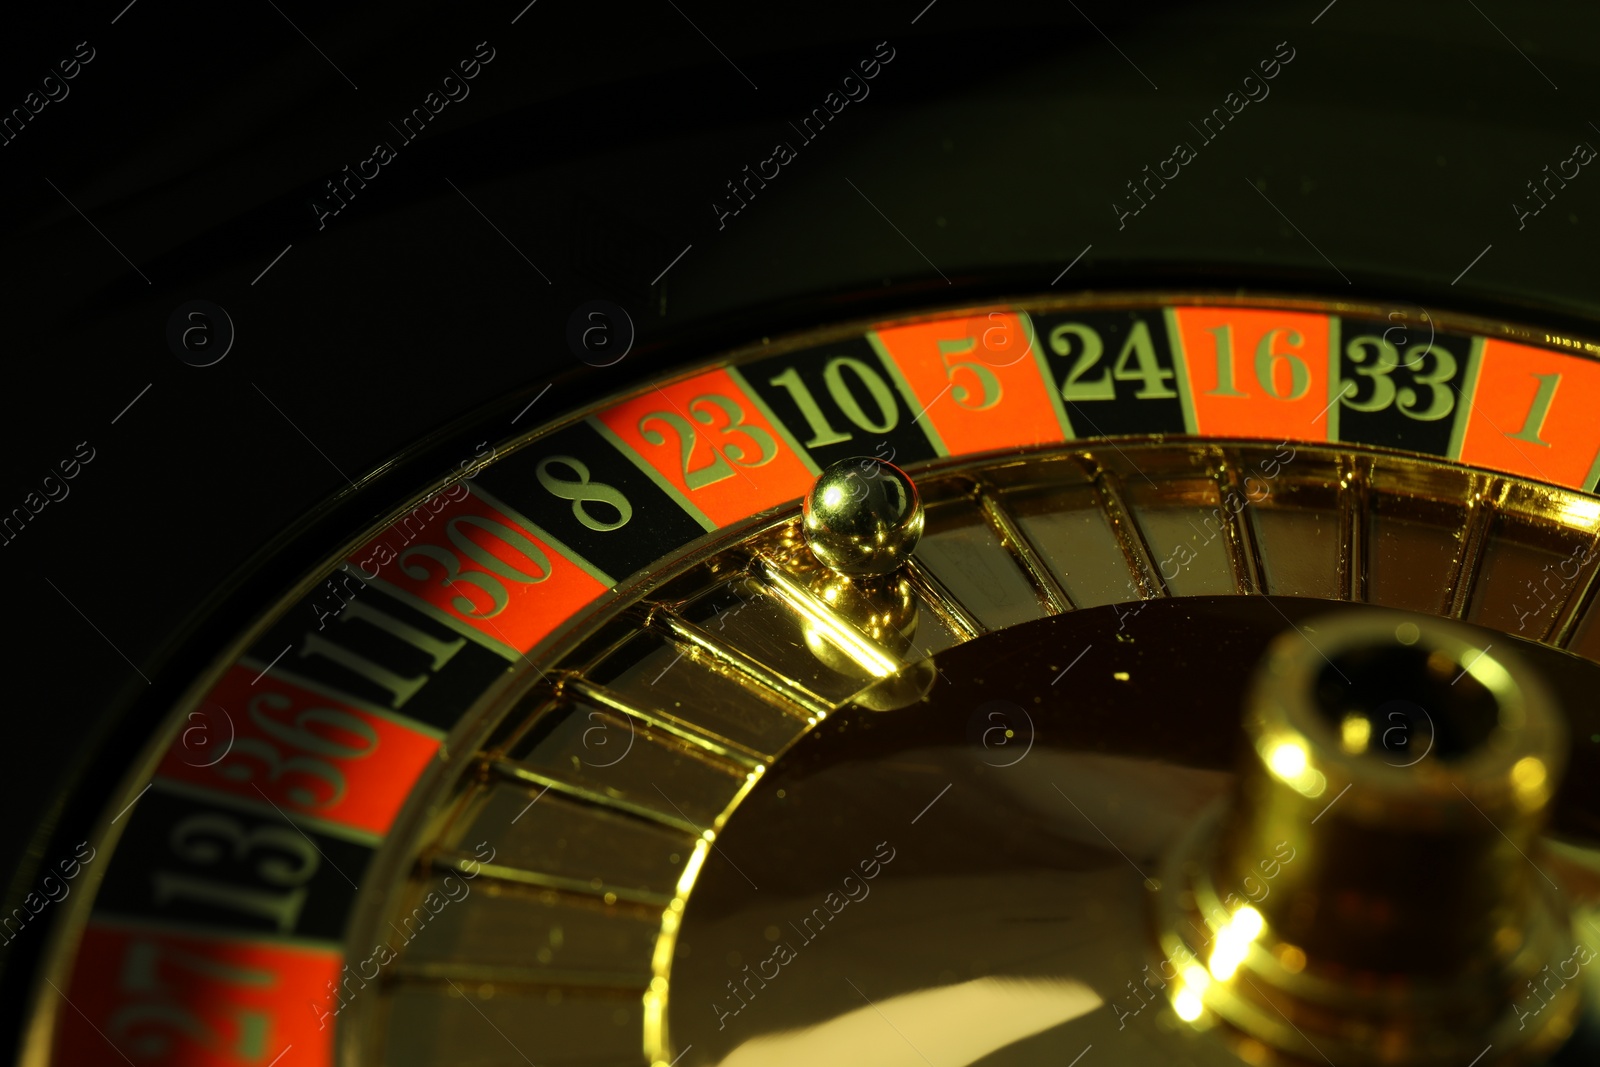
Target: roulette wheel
{"type": "Point", "coordinates": [667, 537]}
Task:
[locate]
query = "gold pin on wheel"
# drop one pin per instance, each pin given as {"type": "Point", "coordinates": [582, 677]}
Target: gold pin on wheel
{"type": "Point", "coordinates": [863, 517]}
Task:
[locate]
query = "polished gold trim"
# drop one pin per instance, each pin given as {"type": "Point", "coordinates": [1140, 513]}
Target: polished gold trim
{"type": "Point", "coordinates": [573, 887]}
{"type": "Point", "coordinates": [516, 772]}
{"type": "Point", "coordinates": [1355, 505]}
{"type": "Point", "coordinates": [732, 756]}
{"type": "Point", "coordinates": [687, 635]}
{"type": "Point", "coordinates": [1022, 550]}
{"type": "Point", "coordinates": [1481, 510]}
{"type": "Point", "coordinates": [942, 602]}
{"type": "Point", "coordinates": [1244, 551]}
{"type": "Point", "coordinates": [1565, 624]}
{"type": "Point", "coordinates": [1130, 538]}
{"type": "Point", "coordinates": [862, 651]}
{"type": "Point", "coordinates": [583, 983]}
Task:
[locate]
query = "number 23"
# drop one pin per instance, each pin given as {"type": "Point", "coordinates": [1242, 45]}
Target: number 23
{"type": "Point", "coordinates": [719, 468]}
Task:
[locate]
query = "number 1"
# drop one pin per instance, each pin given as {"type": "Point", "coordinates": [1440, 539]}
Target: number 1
{"type": "Point", "coordinates": [1224, 341]}
{"type": "Point", "coordinates": [822, 432]}
{"type": "Point", "coordinates": [1537, 412]}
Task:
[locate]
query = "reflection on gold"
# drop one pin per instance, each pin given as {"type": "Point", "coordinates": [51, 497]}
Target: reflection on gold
{"type": "Point", "coordinates": [1233, 942]}
{"type": "Point", "coordinates": [655, 998]}
{"type": "Point", "coordinates": [1493, 676]}
{"type": "Point", "coordinates": [1292, 957]}
{"type": "Point", "coordinates": [866, 654]}
{"type": "Point", "coordinates": [1290, 761]}
{"type": "Point", "coordinates": [958, 1024]}
{"type": "Point", "coordinates": [1579, 511]}
{"type": "Point", "coordinates": [1187, 1004]}
{"type": "Point", "coordinates": [1531, 781]}
{"type": "Point", "coordinates": [1354, 733]}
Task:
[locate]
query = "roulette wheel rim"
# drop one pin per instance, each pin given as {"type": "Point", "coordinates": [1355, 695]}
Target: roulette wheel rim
{"type": "Point", "coordinates": [1053, 336]}
{"type": "Point", "coordinates": [1563, 311]}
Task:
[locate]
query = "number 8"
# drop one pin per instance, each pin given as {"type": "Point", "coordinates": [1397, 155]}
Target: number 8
{"type": "Point", "coordinates": [583, 491]}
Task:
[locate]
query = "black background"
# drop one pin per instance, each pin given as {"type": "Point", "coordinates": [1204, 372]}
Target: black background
{"type": "Point", "coordinates": [984, 161]}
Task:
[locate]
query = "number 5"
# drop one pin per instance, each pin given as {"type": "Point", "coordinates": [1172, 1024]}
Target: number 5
{"type": "Point", "coordinates": [966, 348]}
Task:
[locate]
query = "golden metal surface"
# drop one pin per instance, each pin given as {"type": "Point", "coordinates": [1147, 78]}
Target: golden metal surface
{"type": "Point", "coordinates": [1017, 920]}
{"type": "Point", "coordinates": [803, 640]}
{"type": "Point", "coordinates": [738, 658]}
{"type": "Point", "coordinates": [862, 517]}
{"type": "Point", "coordinates": [1367, 895]}
{"type": "Point", "coordinates": [1015, 541]}
{"type": "Point", "coordinates": [1412, 532]}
